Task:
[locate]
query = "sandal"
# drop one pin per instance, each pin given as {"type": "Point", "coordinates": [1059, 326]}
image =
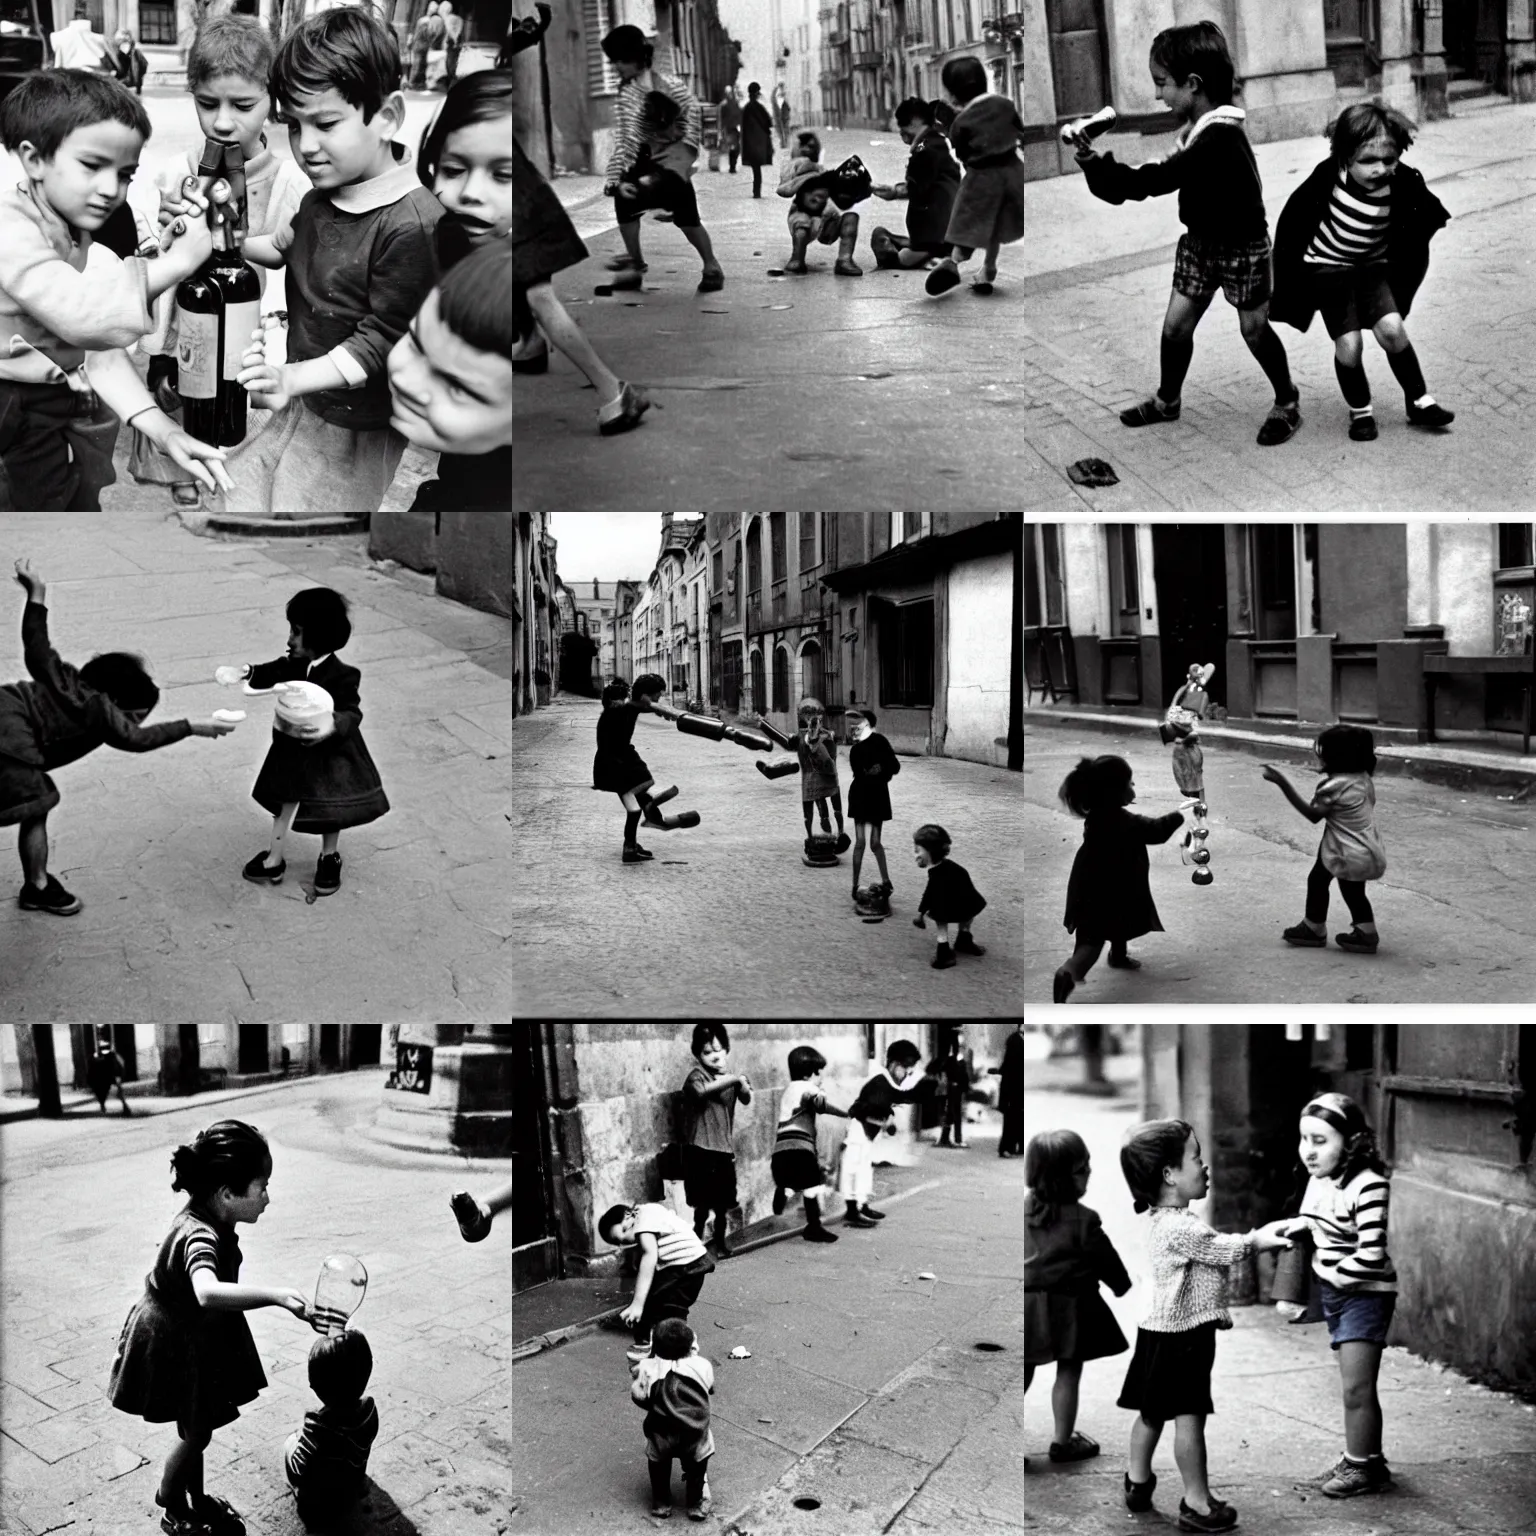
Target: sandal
{"type": "Point", "coordinates": [474, 1224]}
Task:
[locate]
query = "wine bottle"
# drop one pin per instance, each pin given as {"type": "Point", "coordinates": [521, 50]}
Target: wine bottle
{"type": "Point", "coordinates": [220, 306]}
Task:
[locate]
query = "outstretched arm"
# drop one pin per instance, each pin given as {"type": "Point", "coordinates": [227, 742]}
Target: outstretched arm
{"type": "Point", "coordinates": [1308, 808]}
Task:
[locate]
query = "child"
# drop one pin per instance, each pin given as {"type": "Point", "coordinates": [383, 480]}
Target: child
{"type": "Point", "coordinates": [1109, 896]}
{"type": "Point", "coordinates": [873, 764]}
{"type": "Point", "coordinates": [1170, 1373]}
{"type": "Point", "coordinates": [228, 71]}
{"type": "Point", "coordinates": [1221, 204]}
{"type": "Point", "coordinates": [1353, 242]}
{"type": "Point", "coordinates": [816, 748]}
{"type": "Point", "coordinates": [186, 1352]}
{"type": "Point", "coordinates": [58, 717]}
{"type": "Point", "coordinates": [1067, 1256]}
{"type": "Point", "coordinates": [930, 185]}
{"type": "Point", "coordinates": [1350, 851]}
{"type": "Point", "coordinates": [359, 260]}
{"type": "Point", "coordinates": [631, 54]}
{"type": "Point", "coordinates": [794, 1163]}
{"type": "Point", "coordinates": [868, 1116]}
{"type": "Point", "coordinates": [475, 1216]}
{"type": "Point", "coordinates": [949, 896]}
{"type": "Point", "coordinates": [673, 1384]}
{"type": "Point", "coordinates": [989, 207]}
{"type": "Point", "coordinates": [710, 1096]}
{"type": "Point", "coordinates": [1345, 1210]}
{"type": "Point", "coordinates": [616, 766]}
{"type": "Point", "coordinates": [807, 182]}
{"type": "Point", "coordinates": [78, 135]}
{"type": "Point", "coordinates": [673, 1263]}
{"type": "Point", "coordinates": [310, 782]}
{"type": "Point", "coordinates": [326, 1462]}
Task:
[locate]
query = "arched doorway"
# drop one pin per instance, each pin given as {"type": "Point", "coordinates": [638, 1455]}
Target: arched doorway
{"type": "Point", "coordinates": [812, 674]}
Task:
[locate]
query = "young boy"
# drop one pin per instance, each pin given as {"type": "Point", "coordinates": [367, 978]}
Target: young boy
{"type": "Point", "coordinates": [360, 263]}
{"type": "Point", "coordinates": [673, 1263]}
{"type": "Point", "coordinates": [326, 1461]}
{"type": "Point", "coordinates": [228, 73]}
{"type": "Point", "coordinates": [930, 186]}
{"type": "Point", "coordinates": [795, 1164]}
{"type": "Point", "coordinates": [816, 751]}
{"type": "Point", "coordinates": [989, 207]}
{"type": "Point", "coordinates": [616, 766]}
{"type": "Point", "coordinates": [710, 1097]}
{"type": "Point", "coordinates": [870, 1115]}
{"type": "Point", "coordinates": [808, 184]}
{"type": "Point", "coordinates": [673, 1384]}
{"type": "Point", "coordinates": [1221, 204]}
{"type": "Point", "coordinates": [78, 135]}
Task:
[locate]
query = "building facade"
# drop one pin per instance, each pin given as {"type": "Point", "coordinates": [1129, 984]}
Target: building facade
{"type": "Point", "coordinates": [533, 561]}
{"type": "Point", "coordinates": [1311, 623]}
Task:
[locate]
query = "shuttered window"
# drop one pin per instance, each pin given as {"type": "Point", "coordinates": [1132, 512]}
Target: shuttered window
{"type": "Point", "coordinates": [599, 21]}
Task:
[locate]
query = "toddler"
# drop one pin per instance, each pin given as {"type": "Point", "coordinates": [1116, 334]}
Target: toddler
{"type": "Point", "coordinates": [673, 1384]}
{"type": "Point", "coordinates": [673, 1264]}
{"type": "Point", "coordinates": [710, 1097]}
{"type": "Point", "coordinates": [949, 896]}
{"type": "Point", "coordinates": [326, 1462]}
{"type": "Point", "coordinates": [808, 184]}
{"type": "Point", "coordinates": [795, 1164]}
{"type": "Point", "coordinates": [1067, 1256]}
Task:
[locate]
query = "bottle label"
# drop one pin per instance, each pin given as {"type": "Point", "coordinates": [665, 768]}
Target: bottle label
{"type": "Point", "coordinates": [240, 320]}
{"type": "Point", "coordinates": [197, 356]}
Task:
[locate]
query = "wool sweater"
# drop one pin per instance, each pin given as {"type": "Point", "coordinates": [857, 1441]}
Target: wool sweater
{"type": "Point", "coordinates": [798, 1108]}
{"type": "Point", "coordinates": [1349, 1228]}
{"type": "Point", "coordinates": [1190, 1269]}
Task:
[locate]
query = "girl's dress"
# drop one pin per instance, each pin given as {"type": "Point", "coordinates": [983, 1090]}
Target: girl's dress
{"type": "Point", "coordinates": [616, 766]}
{"type": "Point", "coordinates": [1351, 846]}
{"type": "Point", "coordinates": [1109, 896]}
{"type": "Point", "coordinates": [989, 207]}
{"type": "Point", "coordinates": [334, 781]}
{"type": "Point", "coordinates": [1065, 1262]}
{"type": "Point", "coordinates": [869, 799]}
{"type": "Point", "coordinates": [949, 896]}
{"type": "Point", "coordinates": [175, 1359]}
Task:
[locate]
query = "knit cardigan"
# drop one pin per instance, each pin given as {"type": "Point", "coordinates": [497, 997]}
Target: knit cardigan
{"type": "Point", "coordinates": [1190, 1269]}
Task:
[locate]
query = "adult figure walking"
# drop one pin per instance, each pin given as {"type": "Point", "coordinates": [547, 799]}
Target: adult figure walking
{"type": "Point", "coordinates": [1010, 1096]}
{"type": "Point", "coordinates": [429, 34]}
{"type": "Point", "coordinates": [453, 41]}
{"type": "Point", "coordinates": [730, 125]}
{"type": "Point", "coordinates": [104, 1071]}
{"type": "Point", "coordinates": [781, 113]}
{"type": "Point", "coordinates": [756, 136]}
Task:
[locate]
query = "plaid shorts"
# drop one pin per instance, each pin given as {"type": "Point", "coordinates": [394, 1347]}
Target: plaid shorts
{"type": "Point", "coordinates": [1241, 271]}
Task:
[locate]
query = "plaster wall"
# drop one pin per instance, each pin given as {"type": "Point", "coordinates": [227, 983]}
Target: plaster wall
{"type": "Point", "coordinates": [1449, 566]}
{"type": "Point", "coordinates": [1362, 574]}
{"type": "Point", "coordinates": [1130, 26]}
{"type": "Point", "coordinates": [980, 612]}
{"type": "Point", "coordinates": [1036, 87]}
{"type": "Point", "coordinates": [1085, 579]}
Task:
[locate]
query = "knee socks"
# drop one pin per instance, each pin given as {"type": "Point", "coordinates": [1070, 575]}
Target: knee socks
{"type": "Point", "coordinates": [1175, 354]}
{"type": "Point", "coordinates": [1270, 352]}
{"type": "Point", "coordinates": [1405, 365]}
{"type": "Point", "coordinates": [631, 827]}
{"type": "Point", "coordinates": [812, 1211]}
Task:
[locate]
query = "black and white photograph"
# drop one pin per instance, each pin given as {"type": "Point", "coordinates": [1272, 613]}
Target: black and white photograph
{"type": "Point", "coordinates": [1274, 1269]}
{"type": "Point", "coordinates": [768, 1278]}
{"type": "Point", "coordinates": [768, 764]}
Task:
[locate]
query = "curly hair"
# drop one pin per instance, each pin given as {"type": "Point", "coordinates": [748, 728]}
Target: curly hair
{"type": "Point", "coordinates": [1051, 1161]}
{"type": "Point", "coordinates": [1146, 1151]}
{"type": "Point", "coordinates": [1096, 784]}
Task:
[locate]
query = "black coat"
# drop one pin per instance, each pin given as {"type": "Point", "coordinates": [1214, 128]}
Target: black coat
{"type": "Point", "coordinates": [1416, 216]}
{"type": "Point", "coordinates": [869, 799]}
{"type": "Point", "coordinates": [756, 134]}
{"type": "Point", "coordinates": [949, 896]}
{"type": "Point", "coordinates": [1109, 895]}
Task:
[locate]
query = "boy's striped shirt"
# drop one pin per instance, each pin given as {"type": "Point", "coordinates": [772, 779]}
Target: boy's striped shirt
{"type": "Point", "coordinates": [797, 1118]}
{"type": "Point", "coordinates": [1349, 1227]}
{"type": "Point", "coordinates": [1353, 230]}
{"type": "Point", "coordinates": [629, 120]}
{"type": "Point", "coordinates": [676, 1242]}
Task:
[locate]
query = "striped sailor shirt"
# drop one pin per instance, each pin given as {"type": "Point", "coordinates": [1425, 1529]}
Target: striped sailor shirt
{"type": "Point", "coordinates": [629, 126]}
{"type": "Point", "coordinates": [1353, 230]}
{"type": "Point", "coordinates": [676, 1242]}
{"type": "Point", "coordinates": [1349, 1229]}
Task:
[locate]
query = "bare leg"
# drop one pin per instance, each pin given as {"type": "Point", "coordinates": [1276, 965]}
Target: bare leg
{"type": "Point", "coordinates": [877, 848]}
{"type": "Point", "coordinates": [1359, 1362]}
{"type": "Point", "coordinates": [571, 340]}
{"type": "Point", "coordinates": [328, 841]}
{"type": "Point", "coordinates": [1144, 1438]}
{"type": "Point", "coordinates": [989, 263]}
{"type": "Point", "coordinates": [280, 825]}
{"type": "Point", "coordinates": [800, 242]}
{"type": "Point", "coordinates": [698, 238]}
{"type": "Point", "coordinates": [1069, 1376]}
{"type": "Point", "coordinates": [943, 932]}
{"type": "Point", "coordinates": [32, 845]}
{"type": "Point", "coordinates": [630, 235]}
{"type": "Point", "coordinates": [1189, 1452]}
{"type": "Point", "coordinates": [910, 256]}
{"type": "Point", "coordinates": [858, 853]}
{"type": "Point", "coordinates": [182, 1480]}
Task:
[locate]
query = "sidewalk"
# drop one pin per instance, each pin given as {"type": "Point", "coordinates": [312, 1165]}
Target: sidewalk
{"type": "Point", "coordinates": [866, 393]}
{"type": "Point", "coordinates": [153, 843]}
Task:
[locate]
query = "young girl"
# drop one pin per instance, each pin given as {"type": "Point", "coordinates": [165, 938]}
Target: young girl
{"type": "Point", "coordinates": [185, 1352]}
{"type": "Point", "coordinates": [1350, 851]}
{"type": "Point", "coordinates": [949, 897]}
{"type": "Point", "coordinates": [312, 782]}
{"type": "Point", "coordinates": [616, 766]}
{"type": "Point", "coordinates": [873, 764]}
{"type": "Point", "coordinates": [1066, 1258]}
{"type": "Point", "coordinates": [710, 1097]}
{"type": "Point", "coordinates": [1345, 1210]}
{"type": "Point", "coordinates": [1109, 897]}
{"type": "Point", "coordinates": [1170, 1374]}
{"type": "Point", "coordinates": [1353, 242]}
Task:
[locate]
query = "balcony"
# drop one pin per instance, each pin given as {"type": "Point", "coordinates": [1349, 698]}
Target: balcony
{"type": "Point", "coordinates": [869, 59]}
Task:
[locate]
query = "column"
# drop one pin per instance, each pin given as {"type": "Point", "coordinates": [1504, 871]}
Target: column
{"type": "Point", "coordinates": [1281, 58]}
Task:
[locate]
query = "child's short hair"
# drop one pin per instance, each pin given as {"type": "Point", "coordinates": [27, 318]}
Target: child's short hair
{"type": "Point", "coordinates": [1198, 49]}
{"type": "Point", "coordinates": [121, 676]}
{"type": "Point", "coordinates": [320, 615]}
{"type": "Point", "coordinates": [229, 1155]}
{"type": "Point", "coordinates": [49, 104]}
{"type": "Point", "coordinates": [616, 691]}
{"type": "Point", "coordinates": [809, 707]}
{"type": "Point", "coordinates": [609, 1220]}
{"type": "Point", "coordinates": [1145, 1152]}
{"type": "Point", "coordinates": [1364, 121]}
{"type": "Point", "coordinates": [482, 97]}
{"type": "Point", "coordinates": [661, 111]}
{"type": "Point", "coordinates": [965, 78]}
{"type": "Point", "coordinates": [704, 1033]}
{"type": "Point", "coordinates": [346, 49]}
{"type": "Point", "coordinates": [913, 110]}
{"type": "Point", "coordinates": [1346, 749]}
{"type": "Point", "coordinates": [902, 1053]}
{"type": "Point", "coordinates": [339, 1367]}
{"type": "Point", "coordinates": [627, 44]}
{"type": "Point", "coordinates": [807, 142]}
{"type": "Point", "coordinates": [671, 1338]}
{"type": "Point", "coordinates": [1051, 1161]}
{"type": "Point", "coordinates": [231, 45]}
{"type": "Point", "coordinates": [933, 839]}
{"type": "Point", "coordinates": [943, 115]}
{"type": "Point", "coordinates": [475, 298]}
{"type": "Point", "coordinates": [650, 683]}
{"type": "Point", "coordinates": [805, 1061]}
{"type": "Point", "coordinates": [1096, 784]}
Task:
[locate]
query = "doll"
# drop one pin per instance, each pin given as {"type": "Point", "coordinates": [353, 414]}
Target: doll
{"type": "Point", "coordinates": [1181, 726]}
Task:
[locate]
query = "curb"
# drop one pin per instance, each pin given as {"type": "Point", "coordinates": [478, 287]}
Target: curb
{"type": "Point", "coordinates": [164, 1106]}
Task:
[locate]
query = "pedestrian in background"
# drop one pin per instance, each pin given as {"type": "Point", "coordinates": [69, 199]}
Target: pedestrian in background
{"type": "Point", "coordinates": [453, 41]}
{"type": "Point", "coordinates": [128, 64]}
{"type": "Point", "coordinates": [957, 1079]}
{"type": "Point", "coordinates": [428, 34]}
{"type": "Point", "coordinates": [781, 113]}
{"type": "Point", "coordinates": [1010, 1095]}
{"type": "Point", "coordinates": [77, 46]}
{"type": "Point", "coordinates": [730, 126]}
{"type": "Point", "coordinates": [103, 1072]}
{"type": "Point", "coordinates": [710, 1097]}
{"type": "Point", "coordinates": [756, 137]}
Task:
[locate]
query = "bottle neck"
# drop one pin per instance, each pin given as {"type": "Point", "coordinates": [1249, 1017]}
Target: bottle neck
{"type": "Point", "coordinates": [224, 237]}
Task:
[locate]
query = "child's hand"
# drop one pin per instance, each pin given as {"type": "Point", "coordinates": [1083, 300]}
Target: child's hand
{"type": "Point", "coordinates": [630, 1315]}
{"type": "Point", "coordinates": [212, 728]}
{"type": "Point", "coordinates": [201, 461]}
{"type": "Point", "coordinates": [1273, 774]}
{"type": "Point", "coordinates": [30, 580]}
{"type": "Point", "coordinates": [295, 1301]}
{"type": "Point", "coordinates": [188, 242]}
{"type": "Point", "coordinates": [628, 189]}
{"type": "Point", "coordinates": [266, 382]}
{"type": "Point", "coordinates": [228, 676]}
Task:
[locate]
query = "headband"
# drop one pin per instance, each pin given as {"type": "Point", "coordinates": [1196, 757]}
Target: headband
{"type": "Point", "coordinates": [1339, 1111]}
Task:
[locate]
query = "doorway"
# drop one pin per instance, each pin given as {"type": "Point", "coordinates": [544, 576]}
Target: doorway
{"type": "Point", "coordinates": [253, 1048]}
{"type": "Point", "coordinates": [535, 1244]}
{"type": "Point", "coordinates": [366, 1039]}
{"type": "Point", "coordinates": [1189, 566]}
{"type": "Point", "coordinates": [1474, 31]}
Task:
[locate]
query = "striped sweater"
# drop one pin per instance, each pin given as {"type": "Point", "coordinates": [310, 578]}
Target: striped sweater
{"type": "Point", "coordinates": [798, 1108]}
{"type": "Point", "coordinates": [629, 122]}
{"type": "Point", "coordinates": [1353, 231]}
{"type": "Point", "coordinates": [1349, 1228]}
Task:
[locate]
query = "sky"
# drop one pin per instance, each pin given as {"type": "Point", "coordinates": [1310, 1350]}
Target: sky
{"type": "Point", "coordinates": [605, 546]}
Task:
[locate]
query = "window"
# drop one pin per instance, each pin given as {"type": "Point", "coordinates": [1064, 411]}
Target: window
{"type": "Point", "coordinates": [781, 680]}
{"type": "Point", "coordinates": [1124, 585]}
{"type": "Point", "coordinates": [1274, 571]}
{"type": "Point", "coordinates": [906, 655]}
{"type": "Point", "coordinates": [1055, 585]}
{"type": "Point", "coordinates": [810, 527]}
{"type": "Point", "coordinates": [755, 556]}
{"type": "Point", "coordinates": [812, 679]}
{"type": "Point", "coordinates": [157, 22]}
{"type": "Point", "coordinates": [759, 695]}
{"type": "Point", "coordinates": [715, 570]}
{"type": "Point", "coordinates": [1514, 545]}
{"type": "Point", "coordinates": [914, 525]}
{"type": "Point", "coordinates": [776, 549]}
{"type": "Point", "coordinates": [599, 19]}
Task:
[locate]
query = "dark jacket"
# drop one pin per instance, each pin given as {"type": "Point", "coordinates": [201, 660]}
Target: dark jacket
{"type": "Point", "coordinates": [932, 180]}
{"type": "Point", "coordinates": [1109, 895]}
{"type": "Point", "coordinates": [1416, 216]}
{"type": "Point", "coordinates": [949, 896]}
{"type": "Point", "coordinates": [756, 134]}
{"type": "Point", "coordinates": [130, 67]}
{"type": "Point", "coordinates": [730, 115]}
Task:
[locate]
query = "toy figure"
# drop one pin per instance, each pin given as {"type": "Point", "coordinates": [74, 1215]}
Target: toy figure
{"type": "Point", "coordinates": [1181, 727]}
{"type": "Point", "coordinates": [816, 749]}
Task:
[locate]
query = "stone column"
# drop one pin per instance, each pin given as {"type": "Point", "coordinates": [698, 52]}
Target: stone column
{"type": "Point", "coordinates": [1281, 58]}
{"type": "Point", "coordinates": [450, 1091]}
{"type": "Point", "coordinates": [1130, 26]}
{"type": "Point", "coordinates": [1399, 62]}
{"type": "Point", "coordinates": [1429, 67]}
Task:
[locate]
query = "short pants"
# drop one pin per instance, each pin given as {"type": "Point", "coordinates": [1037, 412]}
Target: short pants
{"type": "Point", "coordinates": [823, 226]}
{"type": "Point", "coordinates": [669, 191]}
{"type": "Point", "coordinates": [1351, 298]}
{"type": "Point", "coordinates": [1357, 1316]}
{"type": "Point", "coordinates": [1241, 271]}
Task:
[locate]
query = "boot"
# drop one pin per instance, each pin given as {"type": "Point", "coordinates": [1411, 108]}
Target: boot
{"type": "Point", "coordinates": [966, 945]}
{"type": "Point", "coordinates": [721, 1246]}
{"type": "Point", "coordinates": [814, 1231]}
{"type": "Point", "coordinates": [853, 1218]}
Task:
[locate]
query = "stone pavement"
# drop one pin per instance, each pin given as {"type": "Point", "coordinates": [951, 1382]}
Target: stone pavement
{"type": "Point", "coordinates": [85, 1208]}
{"type": "Point", "coordinates": [153, 843]}
{"type": "Point", "coordinates": [821, 391]}
{"type": "Point", "coordinates": [865, 1391]}
{"type": "Point", "coordinates": [726, 916]}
